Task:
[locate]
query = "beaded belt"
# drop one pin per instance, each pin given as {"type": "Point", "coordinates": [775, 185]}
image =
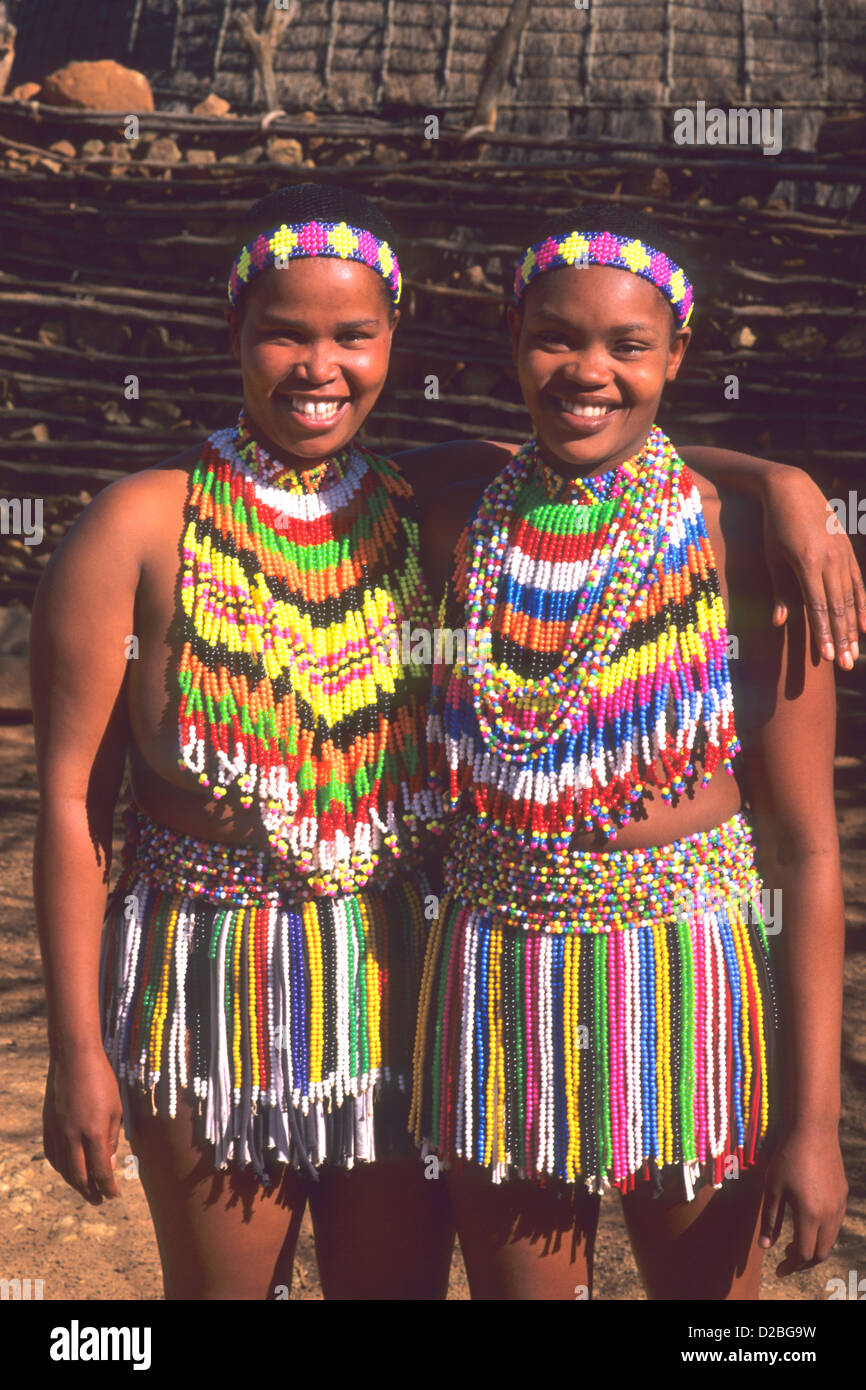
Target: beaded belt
{"type": "Point", "coordinates": [600, 891]}
{"type": "Point", "coordinates": [217, 872]}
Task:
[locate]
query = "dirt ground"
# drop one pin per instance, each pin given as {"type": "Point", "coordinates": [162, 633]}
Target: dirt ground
{"type": "Point", "coordinates": [48, 1232]}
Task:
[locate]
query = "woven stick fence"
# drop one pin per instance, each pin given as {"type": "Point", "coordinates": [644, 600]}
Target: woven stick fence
{"type": "Point", "coordinates": [115, 255]}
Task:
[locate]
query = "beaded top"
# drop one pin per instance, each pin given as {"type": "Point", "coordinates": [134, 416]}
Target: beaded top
{"type": "Point", "coordinates": [607, 671]}
{"type": "Point", "coordinates": [293, 691]}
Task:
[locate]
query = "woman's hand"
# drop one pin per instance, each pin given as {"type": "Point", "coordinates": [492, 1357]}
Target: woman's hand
{"type": "Point", "coordinates": [81, 1123]}
{"type": "Point", "coordinates": [805, 1173]}
{"type": "Point", "coordinates": [801, 534]}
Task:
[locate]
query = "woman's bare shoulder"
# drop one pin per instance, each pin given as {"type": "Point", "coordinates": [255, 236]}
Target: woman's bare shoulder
{"type": "Point", "coordinates": [121, 527]}
{"type": "Point", "coordinates": [434, 467]}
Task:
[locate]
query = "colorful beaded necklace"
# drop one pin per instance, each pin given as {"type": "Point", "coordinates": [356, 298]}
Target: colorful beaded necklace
{"type": "Point", "coordinates": [606, 625]}
{"type": "Point", "coordinates": [294, 588]}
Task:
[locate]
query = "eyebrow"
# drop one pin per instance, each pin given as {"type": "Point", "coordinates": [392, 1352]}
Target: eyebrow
{"type": "Point", "coordinates": [273, 320]}
{"type": "Point", "coordinates": [617, 328]}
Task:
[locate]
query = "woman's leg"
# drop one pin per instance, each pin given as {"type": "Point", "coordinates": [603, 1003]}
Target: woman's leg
{"type": "Point", "coordinates": [699, 1250]}
{"type": "Point", "coordinates": [521, 1240]}
{"type": "Point", "coordinates": [220, 1235]}
{"type": "Point", "coordinates": [383, 1231]}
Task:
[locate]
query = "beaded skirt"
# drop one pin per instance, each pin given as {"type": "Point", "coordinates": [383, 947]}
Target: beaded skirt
{"type": "Point", "coordinates": [287, 1020]}
{"type": "Point", "coordinates": [599, 1018]}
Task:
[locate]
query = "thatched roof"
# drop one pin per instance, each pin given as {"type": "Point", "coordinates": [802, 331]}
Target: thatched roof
{"type": "Point", "coordinates": [573, 70]}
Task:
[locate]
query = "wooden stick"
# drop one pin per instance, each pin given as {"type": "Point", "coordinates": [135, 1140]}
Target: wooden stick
{"type": "Point", "coordinates": [263, 45]}
{"type": "Point", "coordinates": [497, 67]}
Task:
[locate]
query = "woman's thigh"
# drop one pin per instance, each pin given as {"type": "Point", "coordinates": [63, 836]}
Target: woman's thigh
{"type": "Point", "coordinates": [705, 1249]}
{"type": "Point", "coordinates": [383, 1231]}
{"type": "Point", "coordinates": [521, 1240]}
{"type": "Point", "coordinates": [221, 1235]}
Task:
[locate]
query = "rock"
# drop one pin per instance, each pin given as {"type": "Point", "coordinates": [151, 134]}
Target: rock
{"type": "Point", "coordinates": [166, 150]}
{"type": "Point", "coordinates": [119, 150]}
{"type": "Point", "coordinates": [473, 278]}
{"type": "Point", "coordinates": [100, 86]}
{"type": "Point", "coordinates": [249, 156]}
{"type": "Point", "coordinates": [212, 106]}
{"type": "Point", "coordinates": [200, 157]}
{"type": "Point", "coordinates": [743, 337]}
{"type": "Point", "coordinates": [748, 202]}
{"type": "Point", "coordinates": [309, 117]}
{"type": "Point", "coordinates": [285, 151]}
{"type": "Point", "coordinates": [52, 165]}
{"type": "Point", "coordinates": [647, 183]}
{"type": "Point", "coordinates": [99, 332]}
{"type": "Point", "coordinates": [160, 415]}
{"type": "Point", "coordinates": [53, 332]}
{"type": "Point", "coordinates": [805, 340]}
{"type": "Point", "coordinates": [388, 154]}
{"type": "Point", "coordinates": [64, 147]}
{"type": "Point", "coordinates": [91, 149]}
{"type": "Point", "coordinates": [99, 1229]}
{"type": "Point", "coordinates": [26, 91]}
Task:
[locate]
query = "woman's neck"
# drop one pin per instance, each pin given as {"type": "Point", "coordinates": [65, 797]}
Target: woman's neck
{"type": "Point", "coordinates": [278, 468]}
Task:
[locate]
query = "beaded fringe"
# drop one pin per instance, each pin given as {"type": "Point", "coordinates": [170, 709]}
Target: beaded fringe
{"type": "Point", "coordinates": [289, 1026]}
{"type": "Point", "coordinates": [596, 1056]}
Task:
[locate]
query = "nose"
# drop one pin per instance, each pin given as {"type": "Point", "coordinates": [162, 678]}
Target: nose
{"type": "Point", "coordinates": [316, 364]}
{"type": "Point", "coordinates": [588, 367]}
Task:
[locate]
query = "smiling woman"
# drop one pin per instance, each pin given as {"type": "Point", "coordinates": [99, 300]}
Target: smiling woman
{"type": "Point", "coordinates": [598, 1014]}
{"type": "Point", "coordinates": [261, 951]}
{"type": "Point", "coordinates": [313, 372]}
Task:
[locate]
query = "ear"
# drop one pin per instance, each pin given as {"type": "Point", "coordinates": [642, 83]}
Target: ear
{"type": "Point", "coordinates": [233, 319]}
{"type": "Point", "coordinates": [395, 319]}
{"type": "Point", "coordinates": [677, 352]}
{"type": "Point", "coordinates": [514, 319]}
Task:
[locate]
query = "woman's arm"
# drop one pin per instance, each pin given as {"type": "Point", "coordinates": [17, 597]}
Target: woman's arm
{"type": "Point", "coordinates": [82, 618]}
{"type": "Point", "coordinates": [797, 539]}
{"type": "Point", "coordinates": [799, 548]}
{"type": "Point", "coordinates": [786, 718]}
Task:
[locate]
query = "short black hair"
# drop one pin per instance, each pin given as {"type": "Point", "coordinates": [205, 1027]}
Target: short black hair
{"type": "Point", "coordinates": [313, 202]}
{"type": "Point", "coordinates": [621, 220]}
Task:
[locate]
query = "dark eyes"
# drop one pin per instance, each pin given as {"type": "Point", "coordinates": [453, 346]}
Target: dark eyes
{"type": "Point", "coordinates": [559, 340]}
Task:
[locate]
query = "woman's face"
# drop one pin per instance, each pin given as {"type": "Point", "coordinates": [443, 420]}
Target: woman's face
{"type": "Point", "coordinates": [313, 345]}
{"type": "Point", "coordinates": [593, 349]}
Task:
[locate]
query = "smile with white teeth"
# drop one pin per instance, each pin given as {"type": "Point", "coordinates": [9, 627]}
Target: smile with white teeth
{"type": "Point", "coordinates": [317, 410]}
{"type": "Point", "coordinates": [590, 412]}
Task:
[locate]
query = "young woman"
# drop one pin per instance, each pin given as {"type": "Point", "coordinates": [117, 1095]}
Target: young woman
{"type": "Point", "coordinates": [261, 952]}
{"type": "Point", "coordinates": [600, 1007]}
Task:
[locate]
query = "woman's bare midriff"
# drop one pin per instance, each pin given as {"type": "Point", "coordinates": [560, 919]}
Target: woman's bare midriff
{"type": "Point", "coordinates": [171, 795]}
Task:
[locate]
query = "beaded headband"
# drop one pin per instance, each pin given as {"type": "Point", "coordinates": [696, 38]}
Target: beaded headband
{"type": "Point", "coordinates": [314, 239]}
{"type": "Point", "coordinates": [619, 252]}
